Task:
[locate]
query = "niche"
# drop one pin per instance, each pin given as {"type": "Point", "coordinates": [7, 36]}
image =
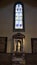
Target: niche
{"type": "Point", "coordinates": [18, 42]}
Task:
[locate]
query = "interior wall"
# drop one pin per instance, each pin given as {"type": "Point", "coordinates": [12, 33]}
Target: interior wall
{"type": "Point", "coordinates": [6, 25]}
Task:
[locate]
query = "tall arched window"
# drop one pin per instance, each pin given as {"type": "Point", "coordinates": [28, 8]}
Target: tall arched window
{"type": "Point", "coordinates": [18, 17]}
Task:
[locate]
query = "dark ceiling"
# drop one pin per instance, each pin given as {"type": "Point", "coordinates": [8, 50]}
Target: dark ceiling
{"type": "Point", "coordinates": [4, 3]}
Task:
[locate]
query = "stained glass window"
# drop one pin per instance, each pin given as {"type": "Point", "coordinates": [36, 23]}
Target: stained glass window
{"type": "Point", "coordinates": [18, 23]}
{"type": "Point", "coordinates": [18, 16]}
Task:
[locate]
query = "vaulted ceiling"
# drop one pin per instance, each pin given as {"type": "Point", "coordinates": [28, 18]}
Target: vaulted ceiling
{"type": "Point", "coordinates": [4, 3]}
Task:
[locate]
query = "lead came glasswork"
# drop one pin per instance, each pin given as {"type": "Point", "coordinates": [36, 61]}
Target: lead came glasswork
{"type": "Point", "coordinates": [18, 17]}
